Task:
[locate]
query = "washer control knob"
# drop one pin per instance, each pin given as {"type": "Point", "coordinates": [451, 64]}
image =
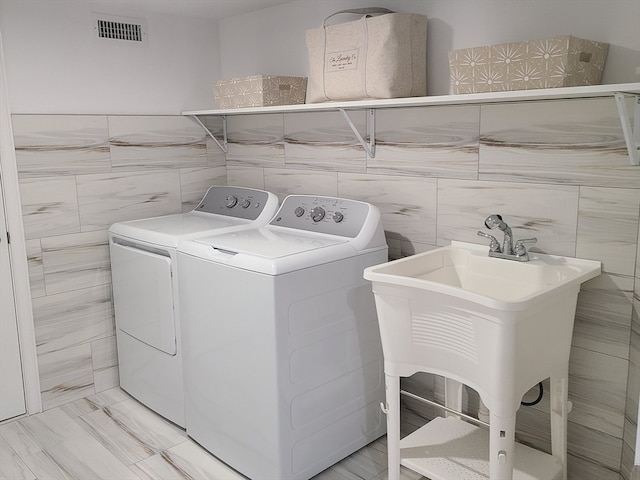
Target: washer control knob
{"type": "Point", "coordinates": [245, 203]}
{"type": "Point", "coordinates": [338, 217]}
{"type": "Point", "coordinates": [232, 200]}
{"type": "Point", "coordinates": [299, 211]}
{"type": "Point", "coordinates": [317, 214]}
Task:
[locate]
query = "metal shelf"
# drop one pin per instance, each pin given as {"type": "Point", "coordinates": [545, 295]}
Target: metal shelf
{"type": "Point", "coordinates": [617, 91]}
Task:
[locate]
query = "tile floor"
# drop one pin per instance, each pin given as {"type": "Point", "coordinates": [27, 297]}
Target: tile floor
{"type": "Point", "coordinates": [111, 436]}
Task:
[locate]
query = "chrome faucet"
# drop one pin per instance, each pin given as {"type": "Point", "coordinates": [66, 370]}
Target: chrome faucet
{"type": "Point", "coordinates": [508, 250]}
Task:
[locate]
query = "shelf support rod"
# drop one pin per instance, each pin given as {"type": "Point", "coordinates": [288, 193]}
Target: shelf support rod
{"type": "Point", "coordinates": [631, 133]}
{"type": "Point", "coordinates": [224, 146]}
{"type": "Point", "coordinates": [370, 146]}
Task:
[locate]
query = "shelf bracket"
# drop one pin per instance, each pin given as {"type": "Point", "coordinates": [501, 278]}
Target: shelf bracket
{"type": "Point", "coordinates": [631, 133]}
{"type": "Point", "coordinates": [370, 146]}
{"type": "Point", "coordinates": [224, 146]}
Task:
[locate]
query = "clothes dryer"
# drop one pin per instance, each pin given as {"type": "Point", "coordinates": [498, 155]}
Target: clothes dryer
{"type": "Point", "coordinates": [145, 290]}
{"type": "Point", "coordinates": [283, 363]}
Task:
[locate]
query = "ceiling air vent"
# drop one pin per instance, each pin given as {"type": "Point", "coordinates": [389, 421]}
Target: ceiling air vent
{"type": "Point", "coordinates": [126, 29]}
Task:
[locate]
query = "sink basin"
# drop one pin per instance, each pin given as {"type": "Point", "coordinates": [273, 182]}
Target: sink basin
{"type": "Point", "coordinates": [465, 271]}
{"type": "Point", "coordinates": [497, 325]}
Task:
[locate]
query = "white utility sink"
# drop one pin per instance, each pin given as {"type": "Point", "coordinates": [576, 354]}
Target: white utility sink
{"type": "Point", "coordinates": [465, 271]}
{"type": "Point", "coordinates": [499, 326]}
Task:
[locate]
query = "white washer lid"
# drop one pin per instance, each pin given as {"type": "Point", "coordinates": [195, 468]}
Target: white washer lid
{"type": "Point", "coordinates": [270, 243]}
{"type": "Point", "coordinates": [270, 250]}
{"type": "Point", "coordinates": [169, 230]}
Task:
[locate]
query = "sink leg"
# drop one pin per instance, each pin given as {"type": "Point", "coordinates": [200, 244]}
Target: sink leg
{"type": "Point", "coordinates": [501, 446]}
{"type": "Point", "coordinates": [483, 411]}
{"type": "Point", "coordinates": [453, 396]}
{"type": "Point", "coordinates": [393, 426]}
{"type": "Point", "coordinates": [560, 407]}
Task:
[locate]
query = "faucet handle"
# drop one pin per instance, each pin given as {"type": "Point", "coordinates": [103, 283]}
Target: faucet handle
{"type": "Point", "coordinates": [520, 247]}
{"type": "Point", "coordinates": [494, 246]}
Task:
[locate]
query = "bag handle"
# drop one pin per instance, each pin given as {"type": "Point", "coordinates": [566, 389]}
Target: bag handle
{"type": "Point", "coordinates": [365, 12]}
{"type": "Point", "coordinates": [361, 11]}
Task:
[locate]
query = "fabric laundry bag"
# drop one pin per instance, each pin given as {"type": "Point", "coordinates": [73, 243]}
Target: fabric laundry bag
{"type": "Point", "coordinates": [381, 55]}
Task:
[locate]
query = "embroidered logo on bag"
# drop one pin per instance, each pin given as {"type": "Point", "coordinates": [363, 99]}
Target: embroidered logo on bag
{"type": "Point", "coordinates": [347, 60]}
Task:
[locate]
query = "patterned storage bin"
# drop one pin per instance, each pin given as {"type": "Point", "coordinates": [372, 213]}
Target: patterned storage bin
{"type": "Point", "coordinates": [556, 62]}
{"type": "Point", "coordinates": [260, 91]}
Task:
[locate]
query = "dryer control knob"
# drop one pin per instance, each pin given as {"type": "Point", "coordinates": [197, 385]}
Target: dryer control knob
{"type": "Point", "coordinates": [299, 211]}
{"type": "Point", "coordinates": [317, 214]}
{"type": "Point", "coordinates": [338, 217]}
{"type": "Point", "coordinates": [232, 200]}
{"type": "Point", "coordinates": [245, 203]}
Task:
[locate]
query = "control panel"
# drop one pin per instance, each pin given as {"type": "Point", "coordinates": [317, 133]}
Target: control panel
{"type": "Point", "coordinates": [236, 202]}
{"type": "Point", "coordinates": [334, 216]}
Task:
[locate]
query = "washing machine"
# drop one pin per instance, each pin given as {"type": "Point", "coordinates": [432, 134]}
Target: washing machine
{"type": "Point", "coordinates": [284, 372]}
{"type": "Point", "coordinates": [144, 274]}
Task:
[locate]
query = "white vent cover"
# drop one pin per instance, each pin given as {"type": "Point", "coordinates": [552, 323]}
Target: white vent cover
{"type": "Point", "coordinates": [124, 29]}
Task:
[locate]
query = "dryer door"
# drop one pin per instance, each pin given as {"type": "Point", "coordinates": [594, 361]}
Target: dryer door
{"type": "Point", "coordinates": [143, 296]}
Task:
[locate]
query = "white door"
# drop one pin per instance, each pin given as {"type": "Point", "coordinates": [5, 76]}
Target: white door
{"type": "Point", "coordinates": [143, 296]}
{"type": "Point", "coordinates": [12, 402]}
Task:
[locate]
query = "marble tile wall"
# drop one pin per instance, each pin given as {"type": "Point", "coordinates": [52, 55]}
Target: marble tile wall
{"type": "Point", "coordinates": [78, 175]}
{"type": "Point", "coordinates": [557, 170]}
{"type": "Point", "coordinates": [633, 385]}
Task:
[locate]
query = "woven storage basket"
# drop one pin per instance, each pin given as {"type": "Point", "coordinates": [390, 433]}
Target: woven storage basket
{"type": "Point", "coordinates": [556, 62]}
{"type": "Point", "coordinates": [260, 91]}
{"type": "Point", "coordinates": [382, 56]}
